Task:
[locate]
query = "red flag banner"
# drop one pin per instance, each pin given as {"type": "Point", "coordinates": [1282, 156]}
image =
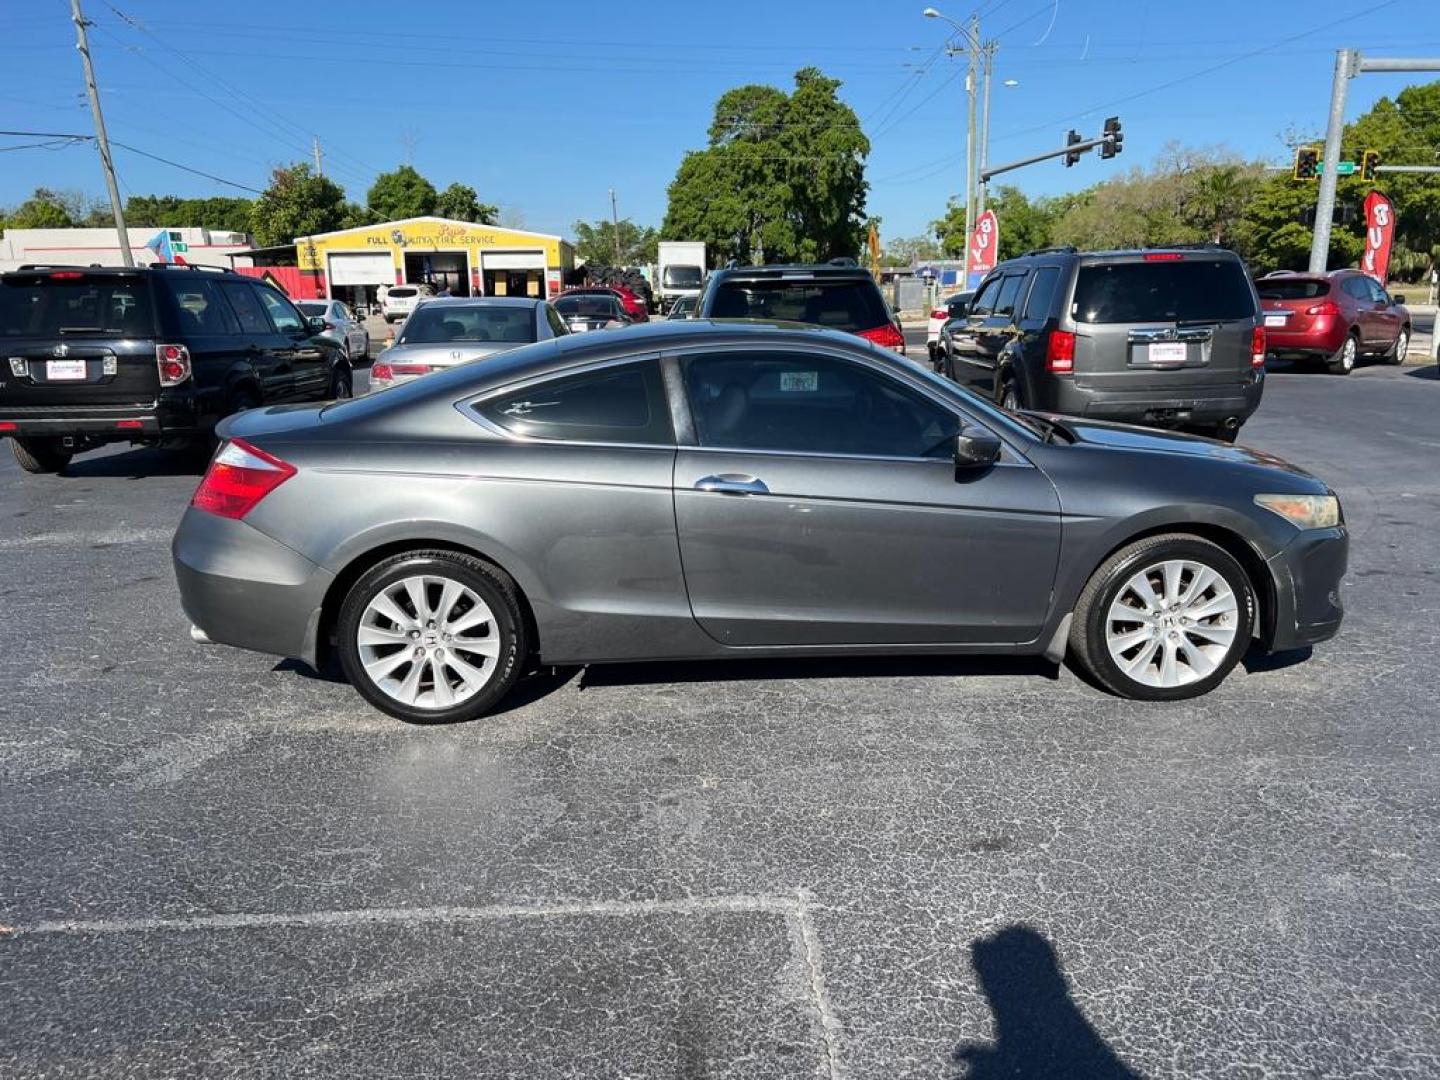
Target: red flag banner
{"type": "Point", "coordinates": [984, 244]}
{"type": "Point", "coordinates": [1379, 234]}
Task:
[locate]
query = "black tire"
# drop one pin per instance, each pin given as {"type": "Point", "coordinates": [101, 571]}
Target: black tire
{"type": "Point", "coordinates": [1010, 397]}
{"type": "Point", "coordinates": [1088, 629]}
{"type": "Point", "coordinates": [1397, 352]}
{"type": "Point", "coordinates": [342, 385]}
{"type": "Point", "coordinates": [40, 455]}
{"type": "Point", "coordinates": [492, 585]}
{"type": "Point", "coordinates": [947, 361]}
{"type": "Point", "coordinates": [1343, 362]}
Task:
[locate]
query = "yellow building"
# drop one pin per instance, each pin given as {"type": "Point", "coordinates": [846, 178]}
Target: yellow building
{"type": "Point", "coordinates": [465, 258]}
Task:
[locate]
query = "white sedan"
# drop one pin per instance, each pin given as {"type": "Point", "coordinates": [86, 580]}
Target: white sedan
{"type": "Point", "coordinates": [953, 308]}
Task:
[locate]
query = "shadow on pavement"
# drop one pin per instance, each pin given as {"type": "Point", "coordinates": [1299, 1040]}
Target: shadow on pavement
{"type": "Point", "coordinates": [1258, 660]}
{"type": "Point", "coordinates": [1428, 371]}
{"type": "Point", "coordinates": [1039, 1030]}
{"type": "Point", "coordinates": [139, 463]}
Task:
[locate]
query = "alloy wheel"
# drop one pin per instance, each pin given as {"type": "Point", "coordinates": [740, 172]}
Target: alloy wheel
{"type": "Point", "coordinates": [428, 641]}
{"type": "Point", "coordinates": [1172, 623]}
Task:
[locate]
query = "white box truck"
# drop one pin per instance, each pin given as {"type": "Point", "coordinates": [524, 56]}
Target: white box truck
{"type": "Point", "coordinates": [681, 271]}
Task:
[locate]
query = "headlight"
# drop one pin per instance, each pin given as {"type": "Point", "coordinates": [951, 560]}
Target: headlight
{"type": "Point", "coordinates": [1304, 511]}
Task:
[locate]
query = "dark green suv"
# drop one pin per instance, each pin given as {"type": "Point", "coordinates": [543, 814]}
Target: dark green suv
{"type": "Point", "coordinates": [158, 354]}
{"type": "Point", "coordinates": [1169, 338]}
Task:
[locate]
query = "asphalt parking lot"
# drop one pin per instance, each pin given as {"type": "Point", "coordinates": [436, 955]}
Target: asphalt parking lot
{"type": "Point", "coordinates": [216, 863]}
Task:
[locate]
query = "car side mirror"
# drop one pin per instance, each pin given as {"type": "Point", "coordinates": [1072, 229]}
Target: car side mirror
{"type": "Point", "coordinates": [976, 448]}
{"type": "Point", "coordinates": [316, 323]}
{"type": "Point", "coordinates": [1397, 298]}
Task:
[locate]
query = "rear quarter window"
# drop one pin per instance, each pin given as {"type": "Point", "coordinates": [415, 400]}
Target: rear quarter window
{"type": "Point", "coordinates": [618, 404]}
{"type": "Point", "coordinates": [1187, 290]}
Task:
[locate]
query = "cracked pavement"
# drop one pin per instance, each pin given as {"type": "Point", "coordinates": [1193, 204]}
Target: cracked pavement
{"type": "Point", "coordinates": [215, 864]}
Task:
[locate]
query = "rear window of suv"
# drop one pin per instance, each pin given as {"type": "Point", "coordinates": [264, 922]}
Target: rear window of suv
{"type": "Point", "coordinates": [48, 306]}
{"type": "Point", "coordinates": [1291, 288]}
{"type": "Point", "coordinates": [1188, 290]}
{"type": "Point", "coordinates": [401, 294]}
{"type": "Point", "coordinates": [840, 305]}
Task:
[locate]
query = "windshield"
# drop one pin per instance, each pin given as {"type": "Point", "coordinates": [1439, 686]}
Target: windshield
{"type": "Point", "coordinates": [433, 324]}
{"type": "Point", "coordinates": [840, 305]}
{"type": "Point", "coordinates": [46, 306]}
{"type": "Point", "coordinates": [1292, 288]}
{"type": "Point", "coordinates": [682, 277]}
{"type": "Point", "coordinates": [1190, 290]}
{"type": "Point", "coordinates": [311, 309]}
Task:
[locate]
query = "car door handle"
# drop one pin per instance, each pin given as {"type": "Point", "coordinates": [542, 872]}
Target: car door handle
{"type": "Point", "coordinates": [732, 484]}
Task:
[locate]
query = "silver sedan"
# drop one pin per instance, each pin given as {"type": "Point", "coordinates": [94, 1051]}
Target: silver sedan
{"type": "Point", "coordinates": [447, 331]}
{"type": "Point", "coordinates": [341, 326]}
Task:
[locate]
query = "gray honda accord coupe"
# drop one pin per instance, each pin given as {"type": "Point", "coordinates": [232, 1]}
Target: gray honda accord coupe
{"type": "Point", "coordinates": [691, 490]}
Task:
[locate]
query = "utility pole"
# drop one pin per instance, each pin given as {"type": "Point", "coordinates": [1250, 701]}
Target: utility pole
{"type": "Point", "coordinates": [1348, 64]}
{"type": "Point", "coordinates": [971, 87]}
{"type": "Point", "coordinates": [319, 168]}
{"type": "Point", "coordinates": [985, 130]}
{"type": "Point", "coordinates": [82, 45]}
{"type": "Point", "coordinates": [615, 225]}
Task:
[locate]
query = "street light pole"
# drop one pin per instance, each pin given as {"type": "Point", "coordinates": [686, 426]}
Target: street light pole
{"type": "Point", "coordinates": [102, 140]}
{"type": "Point", "coordinates": [985, 130]}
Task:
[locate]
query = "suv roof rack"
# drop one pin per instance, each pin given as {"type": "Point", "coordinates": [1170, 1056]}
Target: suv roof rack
{"type": "Point", "coordinates": [842, 260]}
{"type": "Point", "coordinates": [1207, 245]}
{"type": "Point", "coordinates": [53, 266]}
{"type": "Point", "coordinates": [191, 266]}
{"type": "Point", "coordinates": [1063, 249]}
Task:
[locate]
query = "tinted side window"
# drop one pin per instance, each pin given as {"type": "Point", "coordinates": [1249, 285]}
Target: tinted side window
{"type": "Point", "coordinates": [282, 312]}
{"type": "Point", "coordinates": [246, 307]}
{"type": "Point", "coordinates": [624, 404]}
{"type": "Point", "coordinates": [1042, 293]}
{"type": "Point", "coordinates": [1009, 291]}
{"type": "Point", "coordinates": [557, 324]}
{"type": "Point", "coordinates": [1376, 293]}
{"type": "Point", "coordinates": [811, 404]}
{"type": "Point", "coordinates": [201, 309]}
{"type": "Point", "coordinates": [984, 302]}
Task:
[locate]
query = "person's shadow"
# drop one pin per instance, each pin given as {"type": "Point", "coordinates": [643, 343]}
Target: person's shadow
{"type": "Point", "coordinates": [1039, 1030]}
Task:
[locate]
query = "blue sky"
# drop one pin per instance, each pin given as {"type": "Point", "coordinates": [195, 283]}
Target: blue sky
{"type": "Point", "coordinates": [544, 107]}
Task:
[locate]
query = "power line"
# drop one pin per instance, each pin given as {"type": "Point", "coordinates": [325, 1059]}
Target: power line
{"type": "Point", "coordinates": [75, 138]}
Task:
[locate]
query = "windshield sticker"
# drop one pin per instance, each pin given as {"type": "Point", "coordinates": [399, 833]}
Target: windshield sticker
{"type": "Point", "coordinates": [804, 382]}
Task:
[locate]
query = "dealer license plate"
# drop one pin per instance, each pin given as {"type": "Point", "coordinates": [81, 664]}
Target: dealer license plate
{"type": "Point", "coordinates": [1276, 320]}
{"type": "Point", "coordinates": [58, 370]}
{"type": "Point", "coordinates": [1167, 353]}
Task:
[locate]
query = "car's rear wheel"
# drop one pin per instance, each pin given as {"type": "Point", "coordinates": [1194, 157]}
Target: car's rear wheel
{"type": "Point", "coordinates": [1010, 395]}
{"type": "Point", "coordinates": [342, 385]}
{"type": "Point", "coordinates": [1164, 618]}
{"type": "Point", "coordinates": [1397, 352]}
{"type": "Point", "coordinates": [1343, 362]}
{"type": "Point", "coordinates": [40, 455]}
{"type": "Point", "coordinates": [432, 636]}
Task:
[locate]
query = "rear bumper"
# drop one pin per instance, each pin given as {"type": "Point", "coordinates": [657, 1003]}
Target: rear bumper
{"type": "Point", "coordinates": [1317, 341]}
{"type": "Point", "coordinates": [1307, 576]}
{"type": "Point", "coordinates": [1156, 406]}
{"type": "Point", "coordinates": [166, 416]}
{"type": "Point", "coordinates": [244, 589]}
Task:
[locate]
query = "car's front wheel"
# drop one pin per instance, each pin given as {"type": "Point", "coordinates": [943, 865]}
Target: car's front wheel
{"type": "Point", "coordinates": [40, 455]}
{"type": "Point", "coordinates": [432, 636]}
{"type": "Point", "coordinates": [1164, 618]}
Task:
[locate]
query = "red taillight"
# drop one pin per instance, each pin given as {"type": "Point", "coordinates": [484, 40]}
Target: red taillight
{"type": "Point", "coordinates": [129, 425]}
{"type": "Point", "coordinates": [173, 362]}
{"type": "Point", "coordinates": [410, 369]}
{"type": "Point", "coordinates": [887, 337]}
{"type": "Point", "coordinates": [381, 373]}
{"type": "Point", "coordinates": [1257, 347]}
{"type": "Point", "coordinates": [239, 477]}
{"type": "Point", "coordinates": [1060, 353]}
{"type": "Point", "coordinates": [9, 425]}
{"type": "Point", "coordinates": [66, 275]}
{"type": "Point", "coordinates": [940, 313]}
{"type": "Point", "coordinates": [1163, 256]}
{"type": "Point", "coordinates": [1328, 307]}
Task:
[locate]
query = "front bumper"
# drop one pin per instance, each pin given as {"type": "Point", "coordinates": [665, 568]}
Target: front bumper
{"type": "Point", "coordinates": [1306, 575]}
{"type": "Point", "coordinates": [242, 588]}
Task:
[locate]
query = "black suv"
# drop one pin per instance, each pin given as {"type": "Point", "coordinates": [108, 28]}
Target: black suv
{"type": "Point", "coordinates": [155, 354]}
{"type": "Point", "coordinates": [1167, 337]}
{"type": "Point", "coordinates": [837, 294]}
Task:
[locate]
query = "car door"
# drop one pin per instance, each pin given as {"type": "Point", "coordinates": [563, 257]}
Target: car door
{"type": "Point", "coordinates": [964, 330]}
{"type": "Point", "coordinates": [209, 329]}
{"type": "Point", "coordinates": [354, 332]}
{"type": "Point", "coordinates": [1386, 315]}
{"type": "Point", "coordinates": [990, 334]}
{"type": "Point", "coordinates": [817, 502]}
{"type": "Point", "coordinates": [309, 362]}
{"type": "Point", "coordinates": [1363, 308]}
{"type": "Point", "coordinates": [265, 350]}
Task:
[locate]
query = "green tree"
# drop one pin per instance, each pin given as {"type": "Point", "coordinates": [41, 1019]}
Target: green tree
{"type": "Point", "coordinates": [222, 213]}
{"type": "Point", "coordinates": [1024, 225]}
{"type": "Point", "coordinates": [296, 203]}
{"type": "Point", "coordinates": [909, 250]}
{"type": "Point", "coordinates": [460, 202]}
{"type": "Point", "coordinates": [595, 243]}
{"type": "Point", "coordinates": [43, 210]}
{"type": "Point", "coordinates": [782, 179]}
{"type": "Point", "coordinates": [403, 193]}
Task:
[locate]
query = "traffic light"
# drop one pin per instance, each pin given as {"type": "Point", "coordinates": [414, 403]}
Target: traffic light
{"type": "Point", "coordinates": [1307, 163]}
{"type": "Point", "coordinates": [1072, 156]}
{"type": "Point", "coordinates": [1368, 162]}
{"type": "Point", "coordinates": [1114, 137]}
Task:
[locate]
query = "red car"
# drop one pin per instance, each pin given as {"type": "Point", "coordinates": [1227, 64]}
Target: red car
{"type": "Point", "coordinates": [629, 300]}
{"type": "Point", "coordinates": [1335, 318]}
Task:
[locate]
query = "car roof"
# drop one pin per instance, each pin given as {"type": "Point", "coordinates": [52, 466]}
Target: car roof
{"type": "Point", "coordinates": [780, 271]}
{"type": "Point", "coordinates": [484, 301]}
